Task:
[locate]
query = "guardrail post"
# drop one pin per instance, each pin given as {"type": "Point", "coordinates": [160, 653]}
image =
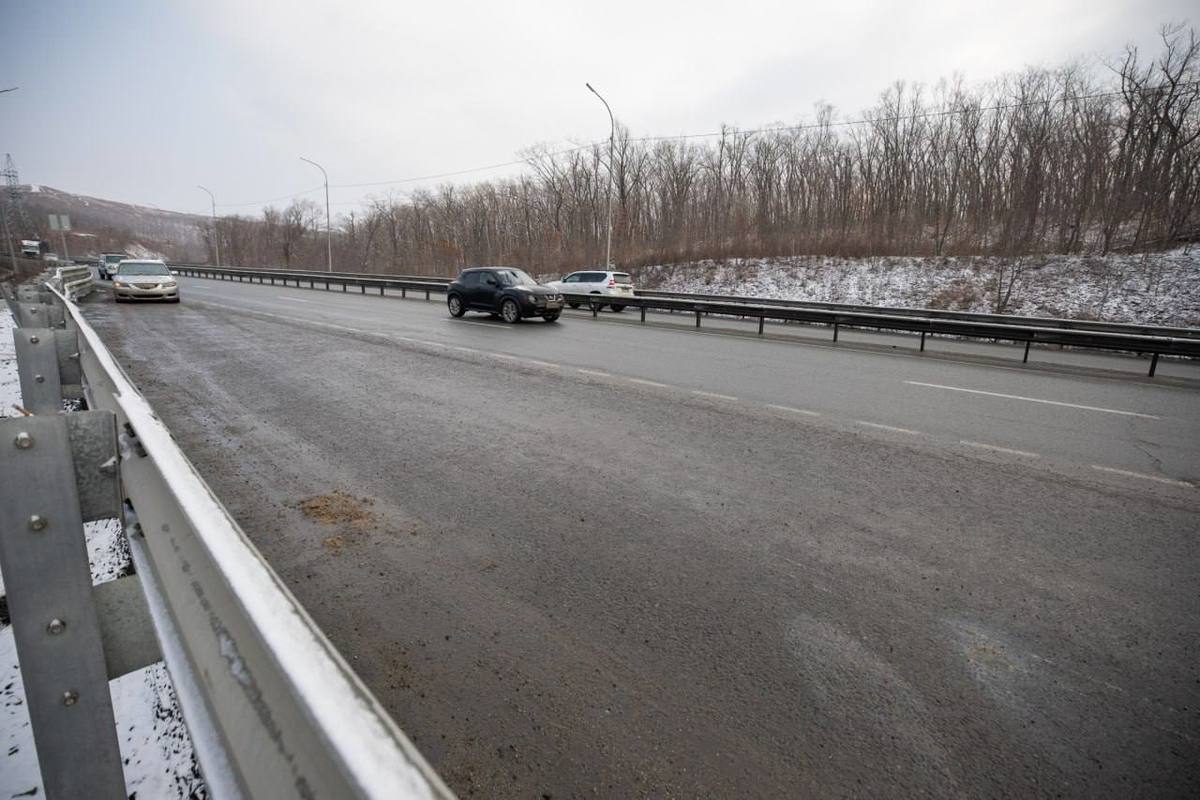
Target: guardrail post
{"type": "Point", "coordinates": [37, 366]}
{"type": "Point", "coordinates": [835, 330]}
{"type": "Point", "coordinates": [643, 313]}
{"type": "Point", "coordinates": [922, 341]}
{"type": "Point", "coordinates": [1153, 364]}
{"type": "Point", "coordinates": [426, 294]}
{"type": "Point", "coordinates": [762, 319]}
{"type": "Point", "coordinates": [403, 292]}
{"type": "Point", "coordinates": [49, 588]}
{"type": "Point", "coordinates": [697, 318]}
{"type": "Point", "coordinates": [595, 309]}
{"type": "Point", "coordinates": [344, 284]}
{"type": "Point", "coordinates": [1025, 358]}
{"type": "Point", "coordinates": [363, 286]}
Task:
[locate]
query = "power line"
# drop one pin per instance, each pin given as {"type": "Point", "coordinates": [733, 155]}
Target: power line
{"type": "Point", "coordinates": [292, 196]}
{"type": "Point", "coordinates": [461, 171]}
{"type": "Point", "coordinates": [731, 131]}
{"type": "Point", "coordinates": [903, 117]}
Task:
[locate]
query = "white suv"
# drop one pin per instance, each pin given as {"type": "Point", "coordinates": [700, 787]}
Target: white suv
{"type": "Point", "coordinates": [612, 284]}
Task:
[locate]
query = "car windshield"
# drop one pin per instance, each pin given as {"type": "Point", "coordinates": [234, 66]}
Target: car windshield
{"type": "Point", "coordinates": [143, 269]}
{"type": "Point", "coordinates": [113, 259]}
{"type": "Point", "coordinates": [515, 277]}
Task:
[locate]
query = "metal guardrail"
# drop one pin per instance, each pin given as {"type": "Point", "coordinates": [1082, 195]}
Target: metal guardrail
{"type": "Point", "coordinates": [75, 281]}
{"type": "Point", "coordinates": [994, 327]}
{"type": "Point", "coordinates": [272, 708]}
{"type": "Point", "coordinates": [936, 313]}
{"type": "Point", "coordinates": [931, 313]}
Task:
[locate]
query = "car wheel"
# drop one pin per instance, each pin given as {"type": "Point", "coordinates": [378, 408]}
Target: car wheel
{"type": "Point", "coordinates": [551, 316]}
{"type": "Point", "coordinates": [573, 305]}
{"type": "Point", "coordinates": [455, 304]}
{"type": "Point", "coordinates": [617, 307]}
{"type": "Point", "coordinates": [510, 311]}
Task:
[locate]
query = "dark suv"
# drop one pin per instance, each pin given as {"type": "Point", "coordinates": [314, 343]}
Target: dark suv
{"type": "Point", "coordinates": [504, 291]}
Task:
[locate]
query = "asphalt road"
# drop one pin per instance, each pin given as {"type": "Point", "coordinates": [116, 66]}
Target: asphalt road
{"type": "Point", "coordinates": [602, 559]}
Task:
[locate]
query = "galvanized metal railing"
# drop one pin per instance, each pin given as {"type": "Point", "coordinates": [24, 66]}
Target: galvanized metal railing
{"type": "Point", "coordinates": [272, 708]}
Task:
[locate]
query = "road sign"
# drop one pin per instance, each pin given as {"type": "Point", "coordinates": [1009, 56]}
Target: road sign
{"type": "Point", "coordinates": [60, 222]}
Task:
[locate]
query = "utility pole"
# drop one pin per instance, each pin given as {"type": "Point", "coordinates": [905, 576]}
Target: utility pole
{"type": "Point", "coordinates": [328, 227]}
{"type": "Point", "coordinates": [12, 252]}
{"type": "Point", "coordinates": [612, 139]}
{"type": "Point", "coordinates": [216, 235]}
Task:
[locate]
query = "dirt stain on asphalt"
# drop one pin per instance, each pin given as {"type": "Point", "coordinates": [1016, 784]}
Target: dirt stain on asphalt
{"type": "Point", "coordinates": [337, 507]}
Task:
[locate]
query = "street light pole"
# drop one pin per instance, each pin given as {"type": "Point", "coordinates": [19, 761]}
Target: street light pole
{"type": "Point", "coordinates": [612, 138]}
{"type": "Point", "coordinates": [216, 235]}
{"type": "Point", "coordinates": [328, 227]}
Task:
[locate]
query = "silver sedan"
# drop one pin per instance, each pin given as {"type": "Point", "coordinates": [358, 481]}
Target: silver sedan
{"type": "Point", "coordinates": [144, 280]}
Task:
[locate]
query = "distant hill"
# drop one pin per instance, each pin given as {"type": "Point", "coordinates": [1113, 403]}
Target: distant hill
{"type": "Point", "coordinates": [100, 225]}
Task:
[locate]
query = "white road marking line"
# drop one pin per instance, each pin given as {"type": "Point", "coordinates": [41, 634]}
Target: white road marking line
{"type": "Point", "coordinates": [595, 372]}
{"type": "Point", "coordinates": [794, 410]}
{"type": "Point", "coordinates": [463, 349]}
{"type": "Point", "coordinates": [540, 363]}
{"type": "Point", "coordinates": [713, 395]}
{"type": "Point", "coordinates": [645, 382]}
{"type": "Point", "coordinates": [494, 326]}
{"type": "Point", "coordinates": [1033, 400]}
{"type": "Point", "coordinates": [998, 449]}
{"type": "Point", "coordinates": [293, 299]}
{"type": "Point", "coordinates": [888, 427]}
{"type": "Point", "coordinates": [506, 356]}
{"type": "Point", "coordinates": [1142, 475]}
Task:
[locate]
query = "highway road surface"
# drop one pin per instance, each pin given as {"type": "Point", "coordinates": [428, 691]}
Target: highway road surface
{"type": "Point", "coordinates": [597, 558]}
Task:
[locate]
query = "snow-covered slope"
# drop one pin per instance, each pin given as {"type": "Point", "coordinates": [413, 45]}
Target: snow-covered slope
{"type": "Point", "coordinates": [1161, 288]}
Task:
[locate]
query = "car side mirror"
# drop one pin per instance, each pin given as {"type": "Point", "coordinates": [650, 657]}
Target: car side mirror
{"type": "Point", "coordinates": [491, 282]}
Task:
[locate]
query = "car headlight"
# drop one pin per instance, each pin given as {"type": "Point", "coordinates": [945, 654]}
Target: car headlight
{"type": "Point", "coordinates": [120, 284]}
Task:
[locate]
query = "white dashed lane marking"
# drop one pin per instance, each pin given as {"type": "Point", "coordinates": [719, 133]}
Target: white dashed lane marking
{"type": "Point", "coordinates": [791, 410]}
{"type": "Point", "coordinates": [1033, 400]}
{"type": "Point", "coordinates": [1142, 475]}
{"type": "Point", "coordinates": [892, 428]}
{"type": "Point", "coordinates": [999, 449]}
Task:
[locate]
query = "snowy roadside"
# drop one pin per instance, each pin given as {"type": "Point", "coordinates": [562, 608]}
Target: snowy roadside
{"type": "Point", "coordinates": [1152, 288]}
{"type": "Point", "coordinates": [155, 747]}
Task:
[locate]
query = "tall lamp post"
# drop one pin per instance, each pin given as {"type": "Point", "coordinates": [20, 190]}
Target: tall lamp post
{"type": "Point", "coordinates": [328, 227]}
{"type": "Point", "coordinates": [216, 234]}
{"type": "Point", "coordinates": [612, 138]}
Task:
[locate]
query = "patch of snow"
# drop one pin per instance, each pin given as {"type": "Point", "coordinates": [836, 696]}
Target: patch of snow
{"type": "Point", "coordinates": [10, 381]}
{"type": "Point", "coordinates": [155, 747]}
{"type": "Point", "coordinates": [141, 251]}
{"type": "Point", "coordinates": [1152, 288]}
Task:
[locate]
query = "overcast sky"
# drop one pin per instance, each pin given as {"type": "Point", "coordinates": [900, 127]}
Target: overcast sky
{"type": "Point", "coordinates": [141, 101]}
